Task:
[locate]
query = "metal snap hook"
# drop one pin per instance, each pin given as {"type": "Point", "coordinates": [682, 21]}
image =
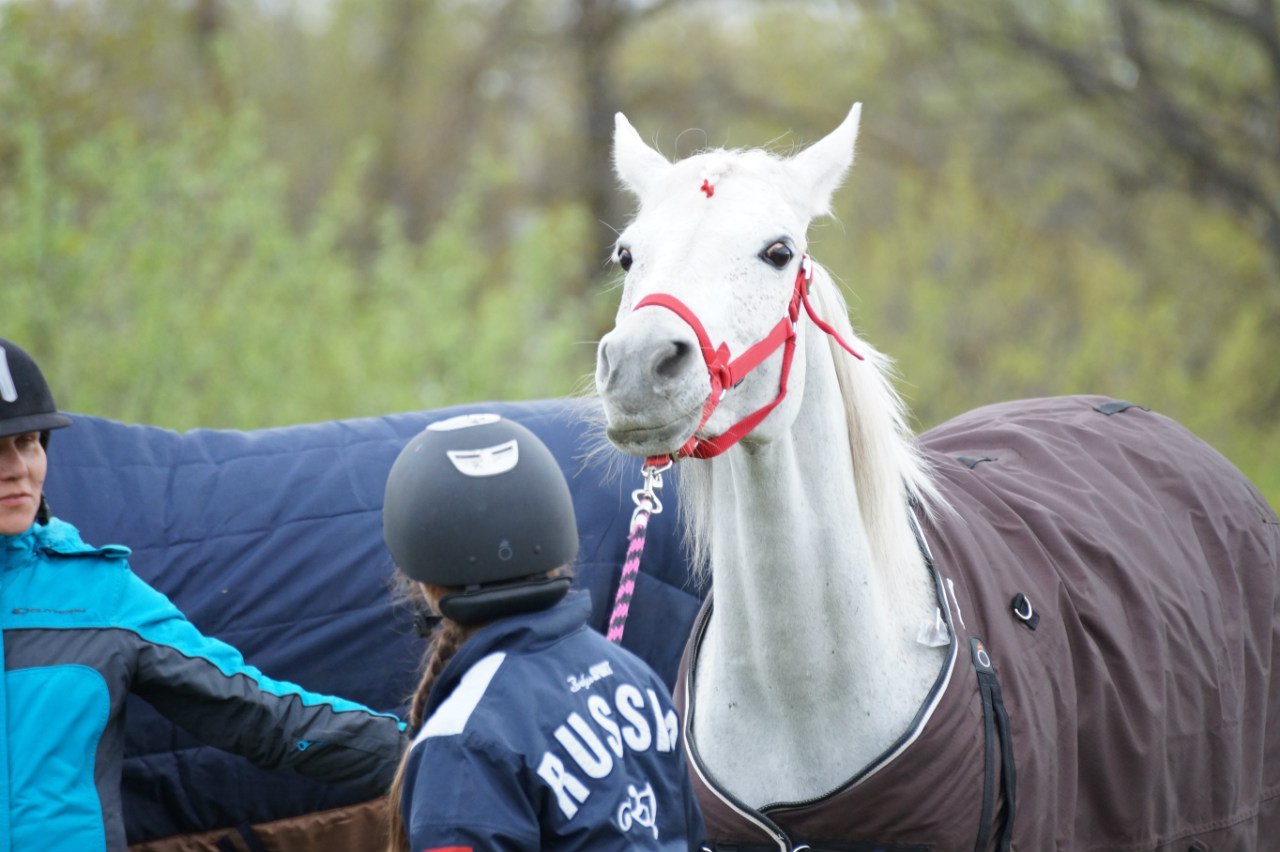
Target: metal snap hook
{"type": "Point", "coordinates": [643, 498]}
{"type": "Point", "coordinates": [648, 495]}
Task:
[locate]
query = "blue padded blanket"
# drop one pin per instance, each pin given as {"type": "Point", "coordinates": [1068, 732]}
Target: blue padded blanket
{"type": "Point", "coordinates": [271, 540]}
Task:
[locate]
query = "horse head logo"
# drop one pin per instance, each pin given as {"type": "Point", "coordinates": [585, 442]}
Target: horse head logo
{"type": "Point", "coordinates": [639, 808]}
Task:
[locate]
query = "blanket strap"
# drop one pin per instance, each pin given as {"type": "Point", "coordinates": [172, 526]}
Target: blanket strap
{"type": "Point", "coordinates": [995, 723]}
{"type": "Point", "coordinates": [843, 846]}
{"type": "Point", "coordinates": [248, 837]}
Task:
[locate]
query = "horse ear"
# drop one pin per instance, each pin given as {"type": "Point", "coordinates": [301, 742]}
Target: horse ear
{"type": "Point", "coordinates": [638, 165]}
{"type": "Point", "coordinates": [819, 169]}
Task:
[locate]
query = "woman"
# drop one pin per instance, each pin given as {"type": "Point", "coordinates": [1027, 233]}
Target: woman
{"type": "Point", "coordinates": [533, 731]}
{"type": "Point", "coordinates": [81, 631]}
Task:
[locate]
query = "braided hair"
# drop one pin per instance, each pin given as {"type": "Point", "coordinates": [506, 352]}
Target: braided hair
{"type": "Point", "coordinates": [448, 637]}
{"type": "Point", "coordinates": [445, 642]}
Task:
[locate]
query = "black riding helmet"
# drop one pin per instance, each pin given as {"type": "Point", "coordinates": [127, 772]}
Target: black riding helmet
{"type": "Point", "coordinates": [478, 502]}
{"type": "Point", "coordinates": [26, 403]}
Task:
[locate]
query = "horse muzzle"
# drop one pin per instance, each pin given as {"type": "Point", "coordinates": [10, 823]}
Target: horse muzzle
{"type": "Point", "coordinates": [652, 380]}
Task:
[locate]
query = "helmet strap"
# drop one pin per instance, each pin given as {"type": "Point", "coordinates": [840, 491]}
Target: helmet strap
{"type": "Point", "coordinates": [425, 622]}
{"type": "Point", "coordinates": [43, 514]}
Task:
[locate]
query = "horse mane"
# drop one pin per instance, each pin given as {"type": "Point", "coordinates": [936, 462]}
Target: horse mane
{"type": "Point", "coordinates": [889, 472]}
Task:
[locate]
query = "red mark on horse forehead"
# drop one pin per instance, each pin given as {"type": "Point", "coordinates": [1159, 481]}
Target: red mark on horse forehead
{"type": "Point", "coordinates": [707, 187]}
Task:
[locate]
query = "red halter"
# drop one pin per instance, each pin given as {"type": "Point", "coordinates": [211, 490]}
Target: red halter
{"type": "Point", "coordinates": [725, 373]}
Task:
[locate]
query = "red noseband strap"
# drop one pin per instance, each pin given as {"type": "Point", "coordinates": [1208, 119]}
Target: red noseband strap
{"type": "Point", "coordinates": [726, 373]}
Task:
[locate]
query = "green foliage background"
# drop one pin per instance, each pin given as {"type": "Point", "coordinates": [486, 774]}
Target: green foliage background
{"type": "Point", "coordinates": [294, 212]}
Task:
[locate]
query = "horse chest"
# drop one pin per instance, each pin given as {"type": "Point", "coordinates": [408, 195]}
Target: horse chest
{"type": "Point", "coordinates": [796, 727]}
{"type": "Point", "coordinates": [851, 778]}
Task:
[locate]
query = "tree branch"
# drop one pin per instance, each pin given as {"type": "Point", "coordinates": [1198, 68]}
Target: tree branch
{"type": "Point", "coordinates": [1260, 26]}
{"type": "Point", "coordinates": [1163, 123]}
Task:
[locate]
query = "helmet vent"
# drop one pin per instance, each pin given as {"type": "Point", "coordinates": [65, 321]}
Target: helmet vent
{"type": "Point", "coordinates": [486, 461]}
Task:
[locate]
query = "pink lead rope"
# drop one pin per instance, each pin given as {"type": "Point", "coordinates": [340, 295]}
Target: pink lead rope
{"type": "Point", "coordinates": [647, 504]}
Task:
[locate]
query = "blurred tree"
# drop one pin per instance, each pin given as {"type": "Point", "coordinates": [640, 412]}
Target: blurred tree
{"type": "Point", "coordinates": [598, 30]}
{"type": "Point", "coordinates": [1195, 84]}
{"type": "Point", "coordinates": [1146, 134]}
{"type": "Point", "coordinates": [394, 77]}
{"type": "Point", "coordinates": [207, 17]}
{"type": "Point", "coordinates": [409, 203]}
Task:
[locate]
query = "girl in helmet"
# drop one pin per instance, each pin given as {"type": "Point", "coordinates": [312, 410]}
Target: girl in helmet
{"type": "Point", "coordinates": [532, 730]}
{"type": "Point", "coordinates": [81, 631]}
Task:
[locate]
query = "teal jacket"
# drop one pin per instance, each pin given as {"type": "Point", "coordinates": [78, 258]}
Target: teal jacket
{"type": "Point", "coordinates": [80, 631]}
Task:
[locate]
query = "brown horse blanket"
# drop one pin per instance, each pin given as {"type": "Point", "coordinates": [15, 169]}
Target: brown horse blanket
{"type": "Point", "coordinates": [1111, 583]}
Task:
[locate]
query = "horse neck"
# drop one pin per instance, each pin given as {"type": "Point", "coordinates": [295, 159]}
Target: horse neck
{"type": "Point", "coordinates": [818, 595]}
{"type": "Point", "coordinates": [793, 540]}
{"type": "Point", "coordinates": [818, 520]}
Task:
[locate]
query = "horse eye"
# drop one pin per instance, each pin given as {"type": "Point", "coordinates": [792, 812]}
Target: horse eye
{"type": "Point", "coordinates": [777, 255]}
{"type": "Point", "coordinates": [624, 258]}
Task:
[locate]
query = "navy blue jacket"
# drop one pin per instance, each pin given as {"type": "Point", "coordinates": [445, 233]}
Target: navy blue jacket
{"type": "Point", "coordinates": [541, 734]}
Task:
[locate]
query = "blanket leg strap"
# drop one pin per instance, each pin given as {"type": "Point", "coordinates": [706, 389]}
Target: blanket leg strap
{"type": "Point", "coordinates": [996, 724]}
{"type": "Point", "coordinates": [248, 837]}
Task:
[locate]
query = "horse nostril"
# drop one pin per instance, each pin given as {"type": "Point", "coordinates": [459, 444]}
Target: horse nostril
{"type": "Point", "coordinates": [671, 363]}
{"type": "Point", "coordinates": [603, 370]}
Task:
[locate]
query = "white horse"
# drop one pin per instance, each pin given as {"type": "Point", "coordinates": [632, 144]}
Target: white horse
{"type": "Point", "coordinates": [831, 639]}
{"type": "Point", "coordinates": [790, 503]}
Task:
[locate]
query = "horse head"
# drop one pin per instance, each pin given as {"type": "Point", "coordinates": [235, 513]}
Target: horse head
{"type": "Point", "coordinates": [716, 266]}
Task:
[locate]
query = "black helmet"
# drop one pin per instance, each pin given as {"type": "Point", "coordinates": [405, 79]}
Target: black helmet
{"type": "Point", "coordinates": [479, 502]}
{"type": "Point", "coordinates": [26, 404]}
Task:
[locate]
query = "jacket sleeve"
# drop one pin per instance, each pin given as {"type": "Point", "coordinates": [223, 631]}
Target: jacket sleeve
{"type": "Point", "coordinates": [206, 687]}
